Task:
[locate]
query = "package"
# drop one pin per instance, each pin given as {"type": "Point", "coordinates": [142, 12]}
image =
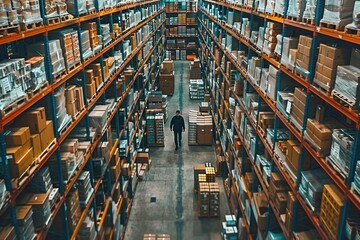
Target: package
{"type": "Point", "coordinates": [310, 9]}
{"type": "Point", "coordinates": [280, 7]}
{"type": "Point", "coordinates": [287, 59]}
{"type": "Point", "coordinates": [338, 12]}
{"type": "Point", "coordinates": [270, 6]}
{"type": "Point", "coordinates": [34, 118]}
{"type": "Point", "coordinates": [347, 83]}
{"type": "Point", "coordinates": [62, 118]}
{"type": "Point", "coordinates": [296, 8]}
{"type": "Point", "coordinates": [81, 6]}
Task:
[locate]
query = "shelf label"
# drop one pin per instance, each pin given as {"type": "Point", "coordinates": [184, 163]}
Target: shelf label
{"type": "Point", "coordinates": [288, 107]}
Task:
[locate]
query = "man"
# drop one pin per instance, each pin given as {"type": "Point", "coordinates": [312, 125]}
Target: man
{"type": "Point", "coordinates": [177, 125]}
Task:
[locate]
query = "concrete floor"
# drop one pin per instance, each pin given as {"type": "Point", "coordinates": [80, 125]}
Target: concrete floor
{"type": "Point", "coordinates": [171, 181]}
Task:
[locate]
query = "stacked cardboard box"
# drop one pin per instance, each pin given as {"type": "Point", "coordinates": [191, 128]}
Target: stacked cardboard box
{"type": "Point", "coordinates": [204, 130]}
{"type": "Point", "coordinates": [302, 61]}
{"type": "Point", "coordinates": [87, 230]}
{"type": "Point", "coordinates": [115, 166]}
{"type": "Point", "coordinates": [73, 209]}
{"type": "Point", "coordinates": [70, 46]}
{"type": "Point", "coordinates": [25, 221]}
{"type": "Point", "coordinates": [229, 227]}
{"type": "Point", "coordinates": [338, 13]}
{"type": "Point", "coordinates": [290, 45]}
{"type": "Point", "coordinates": [38, 74]}
{"type": "Point", "coordinates": [95, 39]}
{"type": "Point", "coordinates": [271, 32]}
{"type": "Point", "coordinates": [28, 142]}
{"type": "Point", "coordinates": [41, 182]}
{"type": "Point", "coordinates": [298, 108]}
{"type": "Point", "coordinates": [293, 153]}
{"type": "Point", "coordinates": [166, 78]}
{"type": "Point", "coordinates": [203, 204]}
{"type": "Point", "coordinates": [214, 200]}
{"type": "Point", "coordinates": [332, 205]}
{"type": "Point", "coordinates": [328, 60]}
{"type": "Point", "coordinates": [94, 75]}
{"type": "Point", "coordinates": [40, 207]}
{"type": "Point", "coordinates": [278, 192]}
{"type": "Point", "coordinates": [74, 100]}
{"type": "Point", "coordinates": [84, 187]}
{"type": "Point", "coordinates": [56, 56]}
{"type": "Point", "coordinates": [259, 204]}
{"type": "Point", "coordinates": [195, 69]}
{"type": "Point", "coordinates": [301, 216]}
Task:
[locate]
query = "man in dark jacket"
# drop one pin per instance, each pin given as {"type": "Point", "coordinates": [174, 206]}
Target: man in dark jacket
{"type": "Point", "coordinates": [177, 125]}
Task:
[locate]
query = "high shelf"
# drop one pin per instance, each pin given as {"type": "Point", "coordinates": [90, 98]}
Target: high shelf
{"type": "Point", "coordinates": [81, 82]}
{"type": "Point", "coordinates": [264, 97]}
{"type": "Point", "coordinates": [181, 29]}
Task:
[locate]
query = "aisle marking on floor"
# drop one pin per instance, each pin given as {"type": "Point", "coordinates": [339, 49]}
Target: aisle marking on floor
{"type": "Point", "coordinates": [180, 163]}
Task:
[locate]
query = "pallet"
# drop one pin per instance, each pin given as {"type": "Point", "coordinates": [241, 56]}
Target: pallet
{"type": "Point", "coordinates": [308, 21]}
{"type": "Point", "coordinates": [31, 26]}
{"type": "Point", "coordinates": [74, 66]}
{"type": "Point", "coordinates": [91, 11]}
{"type": "Point", "coordinates": [333, 26]}
{"type": "Point", "coordinates": [278, 15]}
{"type": "Point", "coordinates": [18, 182]}
{"type": "Point", "coordinates": [300, 74]}
{"type": "Point", "coordinates": [13, 105]}
{"type": "Point", "coordinates": [262, 132]}
{"type": "Point", "coordinates": [41, 157]}
{"type": "Point", "coordinates": [277, 57]}
{"type": "Point", "coordinates": [8, 30]}
{"type": "Point", "coordinates": [295, 19]}
{"type": "Point", "coordinates": [336, 168]}
{"type": "Point", "coordinates": [91, 99]}
{"type": "Point", "coordinates": [42, 87]}
{"type": "Point", "coordinates": [321, 88]}
{"type": "Point", "coordinates": [78, 114]}
{"type": "Point", "coordinates": [337, 96]}
{"type": "Point", "coordinates": [59, 75]}
{"type": "Point", "coordinates": [67, 17]}
{"type": "Point", "coordinates": [53, 20]}
{"type": "Point", "coordinates": [65, 128]}
{"type": "Point", "coordinates": [352, 31]}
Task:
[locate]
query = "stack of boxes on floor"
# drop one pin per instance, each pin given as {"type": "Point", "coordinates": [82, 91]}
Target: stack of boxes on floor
{"type": "Point", "coordinates": [196, 87]}
{"type": "Point", "coordinates": [166, 78]}
{"type": "Point", "coordinates": [208, 190]}
{"type": "Point", "coordinates": [31, 135]}
{"type": "Point", "coordinates": [152, 236]}
{"type": "Point", "coordinates": [200, 126]}
{"type": "Point", "coordinates": [157, 103]}
{"type": "Point", "coordinates": [229, 228]}
{"type": "Point", "coordinates": [143, 162]}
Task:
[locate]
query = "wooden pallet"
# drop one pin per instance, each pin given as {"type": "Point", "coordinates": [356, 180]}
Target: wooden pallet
{"type": "Point", "coordinates": [59, 75]}
{"type": "Point", "coordinates": [53, 20]}
{"type": "Point", "coordinates": [91, 99]}
{"type": "Point", "coordinates": [278, 15]}
{"type": "Point", "coordinates": [308, 21]}
{"type": "Point", "coordinates": [322, 89]}
{"type": "Point", "coordinates": [277, 57]}
{"type": "Point", "coordinates": [338, 171]}
{"type": "Point", "coordinates": [300, 74]}
{"type": "Point", "coordinates": [337, 96]}
{"type": "Point", "coordinates": [65, 128]}
{"type": "Point", "coordinates": [67, 17]}
{"type": "Point", "coordinates": [262, 132]}
{"type": "Point", "coordinates": [352, 31]}
{"type": "Point", "coordinates": [13, 105]}
{"type": "Point", "coordinates": [295, 19]}
{"type": "Point", "coordinates": [42, 87]}
{"type": "Point", "coordinates": [31, 26]}
{"type": "Point", "coordinates": [74, 66]}
{"type": "Point", "coordinates": [333, 26]}
{"type": "Point", "coordinates": [8, 30]}
{"type": "Point", "coordinates": [41, 157]}
{"type": "Point", "coordinates": [92, 11]}
{"type": "Point", "coordinates": [18, 182]}
{"type": "Point", "coordinates": [76, 116]}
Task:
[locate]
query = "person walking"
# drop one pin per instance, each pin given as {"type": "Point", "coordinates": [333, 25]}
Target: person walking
{"type": "Point", "coordinates": [177, 125]}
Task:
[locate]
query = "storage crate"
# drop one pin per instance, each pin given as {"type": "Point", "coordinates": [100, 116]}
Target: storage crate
{"type": "Point", "coordinates": [331, 208]}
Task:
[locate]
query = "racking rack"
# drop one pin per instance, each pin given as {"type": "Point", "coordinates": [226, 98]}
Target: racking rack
{"type": "Point", "coordinates": [212, 29]}
{"type": "Point", "coordinates": [144, 63]}
{"type": "Point", "coordinates": [181, 28]}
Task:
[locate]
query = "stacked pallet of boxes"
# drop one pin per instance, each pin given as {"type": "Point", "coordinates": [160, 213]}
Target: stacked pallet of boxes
{"type": "Point", "coordinates": [328, 59]}
{"type": "Point", "coordinates": [337, 14]}
{"type": "Point", "coordinates": [27, 143]}
{"type": "Point", "coordinates": [94, 38]}
{"type": "Point", "coordinates": [157, 103]}
{"type": "Point", "coordinates": [74, 100]}
{"type": "Point", "coordinates": [73, 209]}
{"type": "Point", "coordinates": [26, 223]}
{"type": "Point", "coordinates": [278, 189]}
{"type": "Point", "coordinates": [166, 78]}
{"type": "Point", "coordinates": [195, 69]}
{"type": "Point", "coordinates": [229, 228]}
{"type": "Point", "coordinates": [302, 62]}
{"type": "Point", "coordinates": [196, 89]}
{"type": "Point", "coordinates": [293, 159]}
{"type": "Point", "coordinates": [271, 32]}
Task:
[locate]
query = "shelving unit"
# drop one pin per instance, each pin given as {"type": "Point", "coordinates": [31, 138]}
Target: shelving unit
{"type": "Point", "coordinates": [143, 25]}
{"type": "Point", "coordinates": [181, 30]}
{"type": "Point", "coordinates": [238, 126]}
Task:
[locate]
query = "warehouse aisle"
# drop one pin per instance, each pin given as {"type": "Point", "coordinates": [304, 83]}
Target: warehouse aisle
{"type": "Point", "coordinates": [171, 181]}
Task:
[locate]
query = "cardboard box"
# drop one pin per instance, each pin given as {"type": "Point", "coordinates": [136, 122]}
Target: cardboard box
{"type": "Point", "coordinates": [47, 135]}
{"type": "Point", "coordinates": [36, 144]}
{"type": "Point", "coordinates": [35, 119]}
{"type": "Point", "coordinates": [300, 94]}
{"type": "Point", "coordinates": [305, 40]}
{"type": "Point", "coordinates": [91, 89]}
{"type": "Point", "coordinates": [331, 62]}
{"type": "Point", "coordinates": [17, 136]}
{"type": "Point", "coordinates": [15, 152]}
{"type": "Point", "coordinates": [18, 168]}
{"type": "Point", "coordinates": [167, 66]}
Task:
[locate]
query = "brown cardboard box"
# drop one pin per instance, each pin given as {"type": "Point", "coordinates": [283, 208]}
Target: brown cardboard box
{"type": "Point", "coordinates": [36, 144]}
{"type": "Point", "coordinates": [298, 103]}
{"type": "Point", "coordinates": [91, 89]}
{"type": "Point", "coordinates": [35, 119]}
{"type": "Point", "coordinates": [297, 113]}
{"type": "Point", "coordinates": [300, 94]}
{"type": "Point", "coordinates": [331, 62]}
{"type": "Point", "coordinates": [305, 40]}
{"type": "Point", "coordinates": [289, 147]}
{"type": "Point", "coordinates": [167, 66]}
{"type": "Point", "coordinates": [322, 132]}
{"type": "Point", "coordinates": [18, 168]}
{"type": "Point", "coordinates": [17, 136]}
{"type": "Point", "coordinates": [47, 135]}
{"type": "Point", "coordinates": [69, 145]}
{"type": "Point", "coordinates": [333, 52]}
{"type": "Point", "coordinates": [70, 94]}
{"type": "Point", "coordinates": [16, 152]}
{"type": "Point", "coordinates": [71, 108]}
{"type": "Point", "coordinates": [89, 75]}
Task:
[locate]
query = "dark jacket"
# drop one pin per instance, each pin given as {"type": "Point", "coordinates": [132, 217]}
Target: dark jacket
{"type": "Point", "coordinates": [177, 124]}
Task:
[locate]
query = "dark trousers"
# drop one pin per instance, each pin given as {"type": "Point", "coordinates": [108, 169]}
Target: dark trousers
{"type": "Point", "coordinates": [177, 138]}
